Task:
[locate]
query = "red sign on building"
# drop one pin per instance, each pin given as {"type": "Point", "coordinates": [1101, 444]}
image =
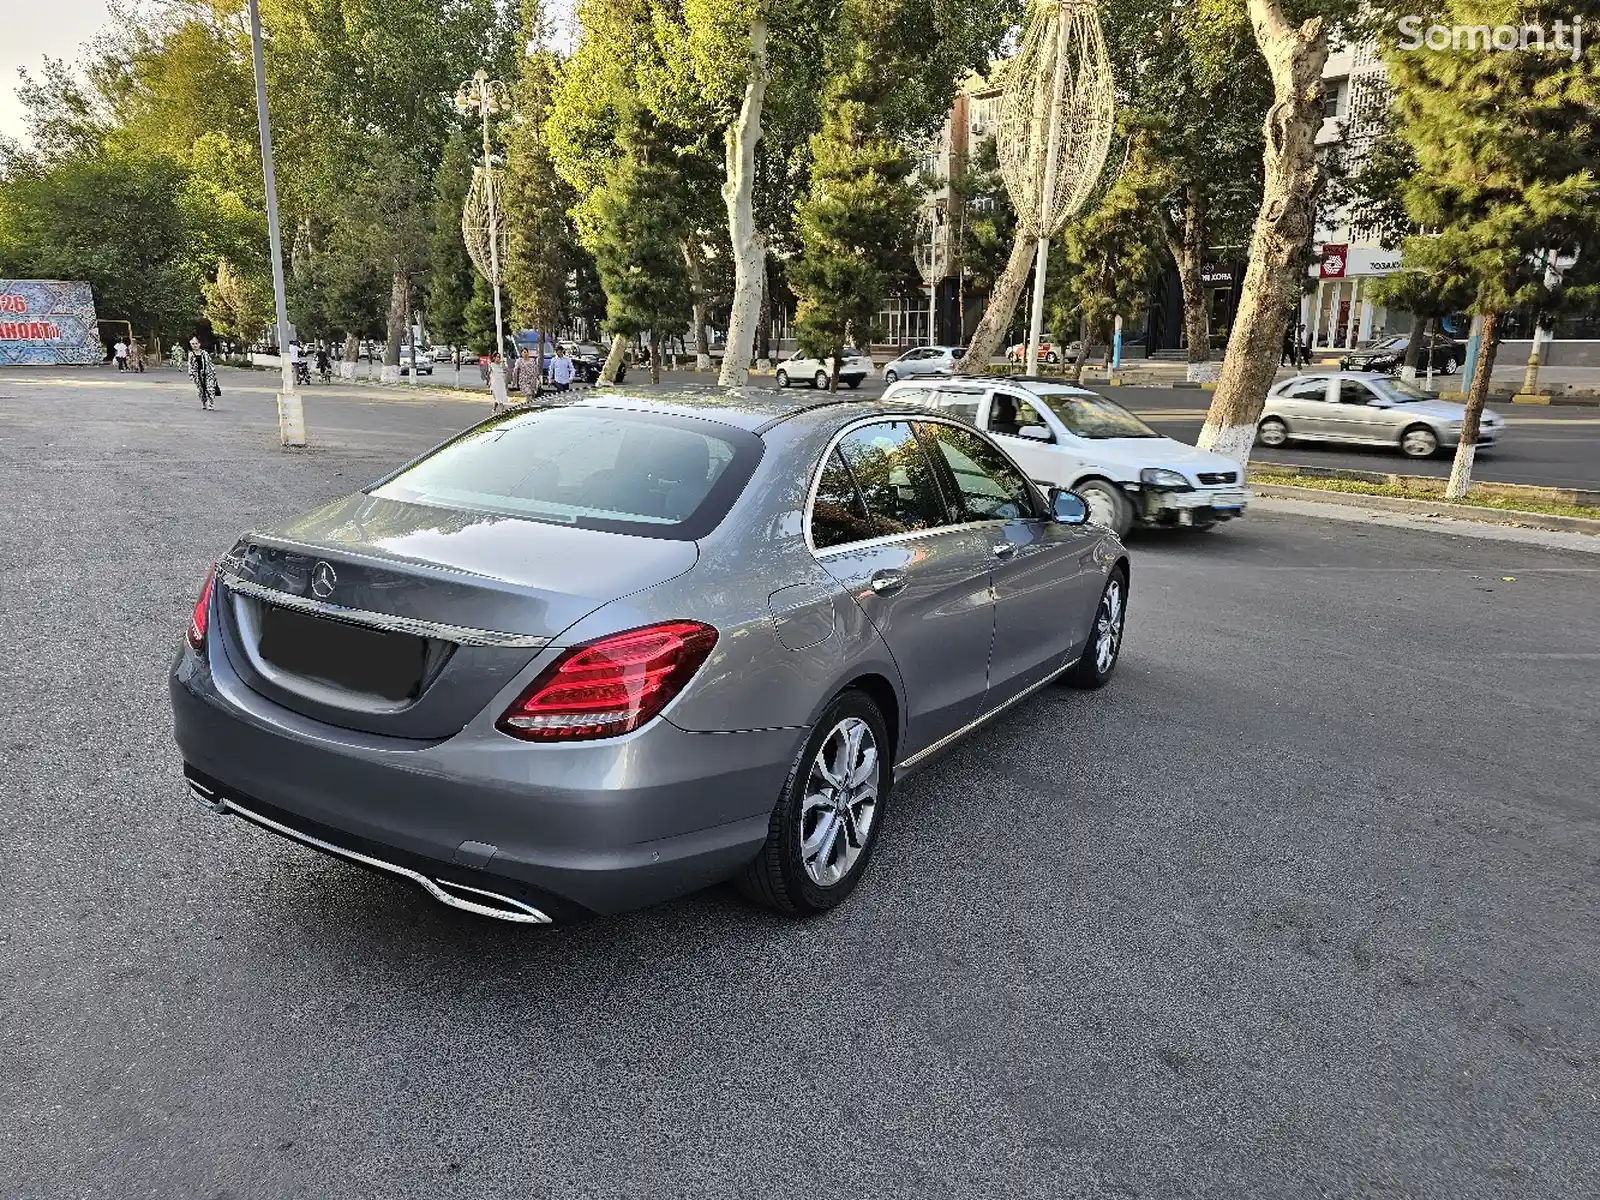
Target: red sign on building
{"type": "Point", "coordinates": [1333, 260]}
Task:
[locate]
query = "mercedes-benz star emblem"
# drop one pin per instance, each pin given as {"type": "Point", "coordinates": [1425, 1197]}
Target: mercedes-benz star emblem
{"type": "Point", "coordinates": [323, 578]}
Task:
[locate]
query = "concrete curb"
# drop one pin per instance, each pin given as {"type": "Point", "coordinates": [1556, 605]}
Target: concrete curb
{"type": "Point", "coordinates": [1432, 508]}
{"type": "Point", "coordinates": [1577, 497]}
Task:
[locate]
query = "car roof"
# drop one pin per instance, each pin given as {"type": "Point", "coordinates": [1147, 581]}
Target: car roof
{"type": "Point", "coordinates": [752, 408]}
{"type": "Point", "coordinates": [1363, 375]}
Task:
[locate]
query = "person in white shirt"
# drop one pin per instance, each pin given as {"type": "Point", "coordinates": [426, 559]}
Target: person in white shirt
{"type": "Point", "coordinates": [120, 353]}
{"type": "Point", "coordinates": [561, 369]}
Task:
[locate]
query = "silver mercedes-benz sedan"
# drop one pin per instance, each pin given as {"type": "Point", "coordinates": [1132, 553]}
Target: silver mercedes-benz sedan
{"type": "Point", "coordinates": [581, 659]}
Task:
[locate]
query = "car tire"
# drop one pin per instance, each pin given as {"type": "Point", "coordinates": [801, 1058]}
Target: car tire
{"type": "Point", "coordinates": [820, 381]}
{"type": "Point", "coordinates": [783, 876]}
{"type": "Point", "coordinates": [1272, 432]}
{"type": "Point", "coordinates": [1052, 358]}
{"type": "Point", "coordinates": [783, 379]}
{"type": "Point", "coordinates": [1108, 507]}
{"type": "Point", "coordinates": [891, 377]}
{"type": "Point", "coordinates": [1450, 366]}
{"type": "Point", "coordinates": [1099, 659]}
{"type": "Point", "coordinates": [1418, 441]}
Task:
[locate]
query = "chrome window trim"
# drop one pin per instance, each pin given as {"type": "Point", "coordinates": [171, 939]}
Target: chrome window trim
{"type": "Point", "coordinates": [461, 635]}
{"type": "Point", "coordinates": [924, 416]}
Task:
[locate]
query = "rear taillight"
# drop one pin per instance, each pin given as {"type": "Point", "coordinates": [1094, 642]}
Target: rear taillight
{"type": "Point", "coordinates": [202, 610]}
{"type": "Point", "coordinates": [610, 686]}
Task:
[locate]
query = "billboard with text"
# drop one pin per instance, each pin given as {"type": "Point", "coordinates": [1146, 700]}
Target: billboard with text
{"type": "Point", "coordinates": [48, 322]}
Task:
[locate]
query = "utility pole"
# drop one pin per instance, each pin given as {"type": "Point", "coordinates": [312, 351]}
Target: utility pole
{"type": "Point", "coordinates": [291, 413]}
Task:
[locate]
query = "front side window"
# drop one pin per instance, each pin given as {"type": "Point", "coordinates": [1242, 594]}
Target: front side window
{"type": "Point", "coordinates": [894, 477]}
{"type": "Point", "coordinates": [1010, 415]}
{"type": "Point", "coordinates": [991, 489]}
{"type": "Point", "coordinates": [626, 472]}
{"type": "Point", "coordinates": [1352, 391]}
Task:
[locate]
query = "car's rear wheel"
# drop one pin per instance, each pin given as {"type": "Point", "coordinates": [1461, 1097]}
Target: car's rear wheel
{"type": "Point", "coordinates": [783, 379]}
{"type": "Point", "coordinates": [1107, 506]}
{"type": "Point", "coordinates": [1100, 656]}
{"type": "Point", "coordinates": [823, 830]}
{"type": "Point", "coordinates": [1449, 367]}
{"type": "Point", "coordinates": [1272, 432]}
{"type": "Point", "coordinates": [819, 380]}
{"type": "Point", "coordinates": [891, 377]}
{"type": "Point", "coordinates": [1052, 357]}
{"type": "Point", "coordinates": [1419, 442]}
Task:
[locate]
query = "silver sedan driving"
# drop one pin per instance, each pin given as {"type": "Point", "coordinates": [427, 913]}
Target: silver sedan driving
{"type": "Point", "coordinates": [581, 659]}
{"type": "Point", "coordinates": [1366, 408]}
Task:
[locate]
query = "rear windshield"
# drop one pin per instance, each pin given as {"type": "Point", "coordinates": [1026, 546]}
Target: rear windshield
{"type": "Point", "coordinates": [598, 468]}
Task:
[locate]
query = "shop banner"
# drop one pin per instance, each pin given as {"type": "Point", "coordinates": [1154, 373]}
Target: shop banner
{"type": "Point", "coordinates": [45, 322]}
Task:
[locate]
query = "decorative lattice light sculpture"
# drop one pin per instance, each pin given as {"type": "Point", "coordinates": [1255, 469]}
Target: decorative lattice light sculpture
{"type": "Point", "coordinates": [932, 252]}
{"type": "Point", "coordinates": [1057, 110]}
{"type": "Point", "coordinates": [483, 225]}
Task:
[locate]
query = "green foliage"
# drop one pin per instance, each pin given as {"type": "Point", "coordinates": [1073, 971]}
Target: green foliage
{"type": "Point", "coordinates": [1108, 253]}
{"type": "Point", "coordinates": [986, 222]}
{"type": "Point", "coordinates": [1506, 144]}
{"type": "Point", "coordinates": [478, 318]}
{"type": "Point", "coordinates": [637, 234]}
{"type": "Point", "coordinates": [115, 221]}
{"type": "Point", "coordinates": [855, 226]}
{"type": "Point", "coordinates": [238, 306]}
{"type": "Point", "coordinates": [451, 275]}
{"type": "Point", "coordinates": [536, 197]}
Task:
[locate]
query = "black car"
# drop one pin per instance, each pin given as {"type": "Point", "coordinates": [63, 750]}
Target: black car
{"type": "Point", "coordinates": [1388, 354]}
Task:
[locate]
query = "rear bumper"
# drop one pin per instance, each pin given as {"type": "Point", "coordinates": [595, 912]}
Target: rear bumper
{"type": "Point", "coordinates": [596, 827]}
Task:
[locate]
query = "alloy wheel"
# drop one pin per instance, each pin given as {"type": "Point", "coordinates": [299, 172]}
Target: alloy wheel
{"type": "Point", "coordinates": [1102, 508]}
{"type": "Point", "coordinates": [840, 802]}
{"type": "Point", "coordinates": [1108, 622]}
{"type": "Point", "coordinates": [1419, 443]}
{"type": "Point", "coordinates": [1272, 433]}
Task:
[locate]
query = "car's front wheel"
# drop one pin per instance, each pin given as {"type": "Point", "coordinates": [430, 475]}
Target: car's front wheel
{"type": "Point", "coordinates": [825, 825]}
{"type": "Point", "coordinates": [1099, 658]}
{"type": "Point", "coordinates": [1272, 432]}
{"type": "Point", "coordinates": [1419, 442]}
{"type": "Point", "coordinates": [783, 379]}
{"type": "Point", "coordinates": [891, 376]}
{"type": "Point", "coordinates": [820, 380]}
{"type": "Point", "coordinates": [1449, 367]}
{"type": "Point", "coordinates": [1107, 506]}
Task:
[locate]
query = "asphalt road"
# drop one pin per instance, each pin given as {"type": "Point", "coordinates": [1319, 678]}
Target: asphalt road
{"type": "Point", "coordinates": [1552, 446]}
{"type": "Point", "coordinates": [1302, 905]}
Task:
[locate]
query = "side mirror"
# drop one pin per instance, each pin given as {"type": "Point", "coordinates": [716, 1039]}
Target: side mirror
{"type": "Point", "coordinates": [1068, 507]}
{"type": "Point", "coordinates": [1034, 433]}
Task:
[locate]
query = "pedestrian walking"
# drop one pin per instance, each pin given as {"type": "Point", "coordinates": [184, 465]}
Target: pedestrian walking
{"type": "Point", "coordinates": [497, 383]}
{"type": "Point", "coordinates": [561, 369]}
{"type": "Point", "coordinates": [120, 353]}
{"type": "Point", "coordinates": [483, 368]}
{"type": "Point", "coordinates": [203, 374]}
{"type": "Point", "coordinates": [1305, 346]}
{"type": "Point", "coordinates": [526, 378]}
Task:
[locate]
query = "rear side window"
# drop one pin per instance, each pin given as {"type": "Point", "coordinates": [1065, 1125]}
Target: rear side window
{"type": "Point", "coordinates": [958, 404]}
{"type": "Point", "coordinates": [627, 472]}
{"type": "Point", "coordinates": [878, 482]}
{"type": "Point", "coordinates": [838, 515]}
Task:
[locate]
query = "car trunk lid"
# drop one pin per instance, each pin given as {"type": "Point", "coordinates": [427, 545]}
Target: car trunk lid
{"type": "Point", "coordinates": [406, 619]}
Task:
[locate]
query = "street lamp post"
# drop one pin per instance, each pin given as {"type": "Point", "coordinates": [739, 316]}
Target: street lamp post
{"type": "Point", "coordinates": [486, 96]}
{"type": "Point", "coordinates": [291, 413]}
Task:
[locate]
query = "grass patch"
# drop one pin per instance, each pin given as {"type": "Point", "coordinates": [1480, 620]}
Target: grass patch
{"type": "Point", "coordinates": [1431, 491]}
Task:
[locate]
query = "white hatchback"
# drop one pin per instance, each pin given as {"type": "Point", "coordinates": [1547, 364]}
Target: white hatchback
{"type": "Point", "coordinates": [1073, 438]}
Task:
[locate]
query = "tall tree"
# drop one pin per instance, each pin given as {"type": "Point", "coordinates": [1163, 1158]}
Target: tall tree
{"type": "Point", "coordinates": [451, 275]}
{"type": "Point", "coordinates": [1506, 143]}
{"type": "Point", "coordinates": [536, 197]}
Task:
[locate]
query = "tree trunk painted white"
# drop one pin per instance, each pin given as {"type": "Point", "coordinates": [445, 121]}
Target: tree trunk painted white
{"type": "Point", "coordinates": [1477, 392]}
{"type": "Point", "coordinates": [1420, 329]}
{"type": "Point", "coordinates": [608, 372]}
{"type": "Point", "coordinates": [1002, 305]}
{"type": "Point", "coordinates": [352, 352]}
{"type": "Point", "coordinates": [749, 251]}
{"type": "Point", "coordinates": [1530, 374]}
{"type": "Point", "coordinates": [1295, 56]}
{"type": "Point", "coordinates": [395, 329]}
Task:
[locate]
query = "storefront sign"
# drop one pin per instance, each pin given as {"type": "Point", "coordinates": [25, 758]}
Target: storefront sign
{"type": "Point", "coordinates": [1211, 274]}
{"type": "Point", "coordinates": [45, 322]}
{"type": "Point", "coordinates": [1333, 261]}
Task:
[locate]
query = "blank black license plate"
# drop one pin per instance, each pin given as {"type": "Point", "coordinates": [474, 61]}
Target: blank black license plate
{"type": "Point", "coordinates": [372, 661]}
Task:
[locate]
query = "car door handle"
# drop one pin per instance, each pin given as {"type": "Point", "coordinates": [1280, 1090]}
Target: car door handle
{"type": "Point", "coordinates": [886, 583]}
{"type": "Point", "coordinates": [1004, 549]}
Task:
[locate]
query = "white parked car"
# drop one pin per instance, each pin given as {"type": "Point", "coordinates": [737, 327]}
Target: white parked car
{"type": "Point", "coordinates": [1073, 438]}
{"type": "Point", "coordinates": [424, 362]}
{"type": "Point", "coordinates": [924, 360]}
{"type": "Point", "coordinates": [797, 368]}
